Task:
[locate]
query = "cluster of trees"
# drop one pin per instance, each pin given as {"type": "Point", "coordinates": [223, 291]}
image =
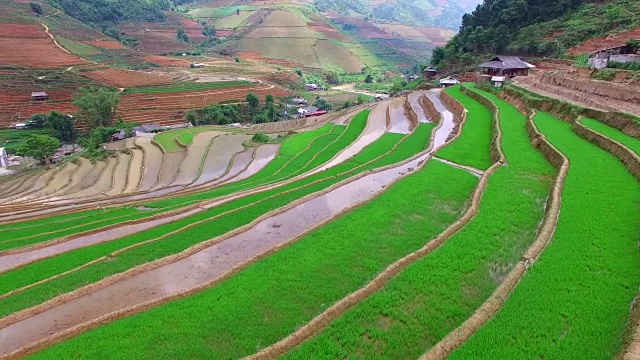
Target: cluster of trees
{"type": "Point", "coordinates": [532, 28]}
{"type": "Point", "coordinates": [97, 110]}
{"type": "Point", "coordinates": [252, 111]}
{"type": "Point", "coordinates": [113, 11]}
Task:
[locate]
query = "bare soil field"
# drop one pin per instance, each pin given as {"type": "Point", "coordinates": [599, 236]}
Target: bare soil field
{"type": "Point", "coordinates": [190, 167]}
{"type": "Point", "coordinates": [284, 32]}
{"type": "Point", "coordinates": [331, 54]}
{"type": "Point", "coordinates": [170, 168]}
{"type": "Point", "coordinates": [322, 26]}
{"type": "Point", "coordinates": [35, 53]}
{"type": "Point", "coordinates": [126, 78]}
{"type": "Point", "coordinates": [218, 158]}
{"type": "Point", "coordinates": [240, 163]}
{"type": "Point", "coordinates": [264, 154]}
{"type": "Point", "coordinates": [153, 158]}
{"type": "Point", "coordinates": [120, 174]}
{"type": "Point", "coordinates": [135, 169]}
{"type": "Point", "coordinates": [167, 61]}
{"type": "Point", "coordinates": [104, 182]}
{"type": "Point", "coordinates": [605, 42]}
{"type": "Point", "coordinates": [106, 44]}
{"type": "Point", "coordinates": [283, 18]}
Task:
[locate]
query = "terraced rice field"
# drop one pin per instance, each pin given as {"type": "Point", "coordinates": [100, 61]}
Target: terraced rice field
{"type": "Point", "coordinates": [401, 230]}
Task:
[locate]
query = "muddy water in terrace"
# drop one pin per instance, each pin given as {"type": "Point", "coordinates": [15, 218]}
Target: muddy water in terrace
{"type": "Point", "coordinates": [203, 267]}
{"type": "Point", "coordinates": [9, 262]}
{"type": "Point", "coordinates": [376, 127]}
{"type": "Point", "coordinates": [445, 130]}
{"type": "Point", "coordinates": [415, 99]}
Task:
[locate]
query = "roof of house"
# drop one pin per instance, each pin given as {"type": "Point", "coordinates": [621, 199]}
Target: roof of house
{"type": "Point", "coordinates": [506, 62]}
{"type": "Point", "coordinates": [449, 80]}
{"type": "Point", "coordinates": [38, 93]}
{"type": "Point", "coordinates": [499, 78]}
{"type": "Point", "coordinates": [147, 128]}
{"type": "Point", "coordinates": [430, 69]}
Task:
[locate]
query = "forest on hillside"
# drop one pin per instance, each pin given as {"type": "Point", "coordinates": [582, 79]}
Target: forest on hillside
{"type": "Point", "coordinates": [115, 11]}
{"type": "Point", "coordinates": [410, 12]}
{"type": "Point", "coordinates": [533, 28]}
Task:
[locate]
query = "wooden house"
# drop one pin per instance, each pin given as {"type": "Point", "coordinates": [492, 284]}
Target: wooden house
{"type": "Point", "coordinates": [509, 66]}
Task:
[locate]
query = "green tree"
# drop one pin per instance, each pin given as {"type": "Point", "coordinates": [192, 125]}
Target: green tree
{"type": "Point", "coordinates": [63, 125]}
{"type": "Point", "coordinates": [271, 112]}
{"type": "Point", "coordinates": [269, 99]}
{"type": "Point", "coordinates": [368, 79]}
{"type": "Point", "coordinates": [208, 31]}
{"type": "Point", "coordinates": [40, 147]}
{"type": "Point", "coordinates": [182, 35]}
{"type": "Point", "coordinates": [36, 8]}
{"type": "Point", "coordinates": [253, 100]}
{"type": "Point", "coordinates": [97, 105]}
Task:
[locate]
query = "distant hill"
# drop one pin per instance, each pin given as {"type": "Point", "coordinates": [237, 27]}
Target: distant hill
{"type": "Point", "coordinates": [535, 28]}
{"type": "Point", "coordinates": [440, 13]}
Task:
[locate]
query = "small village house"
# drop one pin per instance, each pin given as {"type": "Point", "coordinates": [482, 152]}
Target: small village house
{"type": "Point", "coordinates": [508, 66]}
{"type": "Point", "coordinates": [448, 81]}
{"type": "Point", "coordinates": [430, 73]}
{"type": "Point", "coordinates": [197, 66]}
{"type": "Point", "coordinates": [39, 96]}
{"type": "Point", "coordinates": [622, 54]}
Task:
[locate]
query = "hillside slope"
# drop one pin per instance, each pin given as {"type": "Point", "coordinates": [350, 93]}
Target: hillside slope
{"type": "Point", "coordinates": [535, 28]}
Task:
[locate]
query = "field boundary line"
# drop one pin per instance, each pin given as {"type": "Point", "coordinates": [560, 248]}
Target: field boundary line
{"type": "Point", "coordinates": [83, 206]}
{"type": "Point", "coordinates": [496, 301]}
{"type": "Point", "coordinates": [321, 321]}
{"type": "Point", "coordinates": [24, 314]}
{"type": "Point", "coordinates": [4, 321]}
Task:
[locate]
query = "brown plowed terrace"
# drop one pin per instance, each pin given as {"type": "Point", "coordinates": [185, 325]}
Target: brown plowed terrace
{"type": "Point", "coordinates": [167, 108]}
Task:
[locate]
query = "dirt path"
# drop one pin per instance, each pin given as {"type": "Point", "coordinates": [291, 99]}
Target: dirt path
{"type": "Point", "coordinates": [400, 122]}
{"type": "Point", "coordinates": [196, 153]}
{"type": "Point", "coordinates": [204, 267]}
{"type": "Point", "coordinates": [218, 157]}
{"type": "Point", "coordinates": [415, 100]}
{"type": "Point", "coordinates": [152, 163]}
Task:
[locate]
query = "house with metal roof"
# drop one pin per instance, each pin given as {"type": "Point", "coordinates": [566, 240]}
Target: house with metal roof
{"type": "Point", "coordinates": [39, 96]}
{"type": "Point", "coordinates": [506, 66]}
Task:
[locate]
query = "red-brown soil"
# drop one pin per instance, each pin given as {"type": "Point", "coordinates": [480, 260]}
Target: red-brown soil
{"type": "Point", "coordinates": [167, 61]}
{"type": "Point", "coordinates": [106, 44]}
{"type": "Point", "coordinates": [605, 42]}
{"type": "Point", "coordinates": [125, 78]}
{"type": "Point", "coordinates": [321, 26]}
{"type": "Point", "coordinates": [20, 30]}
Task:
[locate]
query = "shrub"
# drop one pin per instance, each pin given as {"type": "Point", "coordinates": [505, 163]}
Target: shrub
{"type": "Point", "coordinates": [260, 138]}
{"type": "Point", "coordinates": [36, 8]}
{"type": "Point", "coordinates": [604, 74]}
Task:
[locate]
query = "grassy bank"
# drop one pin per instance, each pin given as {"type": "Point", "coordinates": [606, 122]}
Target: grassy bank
{"type": "Point", "coordinates": [632, 143]}
{"type": "Point", "coordinates": [577, 296]}
{"type": "Point", "coordinates": [473, 146]}
{"type": "Point", "coordinates": [176, 87]}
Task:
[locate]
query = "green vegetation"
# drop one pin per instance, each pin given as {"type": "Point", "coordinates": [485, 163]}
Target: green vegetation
{"type": "Point", "coordinates": [11, 140]}
{"type": "Point", "coordinates": [97, 106]}
{"type": "Point", "coordinates": [473, 146]}
{"type": "Point", "coordinates": [534, 28]}
{"type": "Point", "coordinates": [39, 147]}
{"type": "Point", "coordinates": [632, 143]}
{"type": "Point", "coordinates": [440, 291]}
{"type": "Point", "coordinates": [604, 74]}
{"type": "Point", "coordinates": [116, 11]}
{"type": "Point", "coordinates": [76, 47]}
{"type": "Point", "coordinates": [576, 298]}
{"type": "Point", "coordinates": [215, 221]}
{"type": "Point", "coordinates": [185, 86]}
{"type": "Point", "coordinates": [317, 251]}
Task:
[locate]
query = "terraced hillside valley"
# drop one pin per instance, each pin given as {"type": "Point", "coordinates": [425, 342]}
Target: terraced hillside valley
{"type": "Point", "coordinates": [182, 191]}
